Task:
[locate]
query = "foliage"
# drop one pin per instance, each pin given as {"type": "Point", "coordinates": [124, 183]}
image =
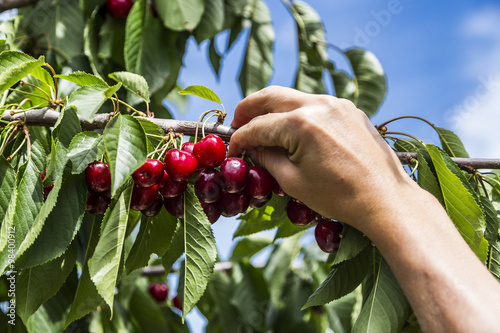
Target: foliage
{"type": "Point", "coordinates": [86, 269]}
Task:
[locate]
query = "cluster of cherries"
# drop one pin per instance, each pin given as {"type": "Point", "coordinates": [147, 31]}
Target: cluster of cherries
{"type": "Point", "coordinates": [159, 291]}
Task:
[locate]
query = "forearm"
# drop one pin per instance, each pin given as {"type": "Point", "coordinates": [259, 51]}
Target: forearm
{"type": "Point", "coordinates": [443, 280]}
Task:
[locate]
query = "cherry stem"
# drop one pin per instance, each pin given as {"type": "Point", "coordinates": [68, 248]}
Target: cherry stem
{"type": "Point", "coordinates": [24, 83]}
{"type": "Point", "coordinates": [53, 76]}
{"type": "Point", "coordinates": [406, 134]}
{"type": "Point", "coordinates": [478, 177]}
{"type": "Point", "coordinates": [205, 122]}
{"type": "Point", "coordinates": [200, 119]}
{"type": "Point", "coordinates": [414, 168]}
{"type": "Point", "coordinates": [12, 130]}
{"type": "Point", "coordinates": [28, 93]}
{"type": "Point", "coordinates": [26, 131]}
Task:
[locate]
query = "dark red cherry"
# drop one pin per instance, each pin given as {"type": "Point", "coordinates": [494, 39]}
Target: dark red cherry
{"type": "Point", "coordinates": [155, 207]}
{"type": "Point", "coordinates": [46, 191]}
{"type": "Point", "coordinates": [170, 188]}
{"type": "Point", "coordinates": [148, 174]}
{"type": "Point", "coordinates": [278, 190]}
{"type": "Point", "coordinates": [327, 234]}
{"type": "Point", "coordinates": [92, 200]}
{"type": "Point", "coordinates": [258, 203]}
{"type": "Point", "coordinates": [188, 146]}
{"type": "Point", "coordinates": [159, 291]}
{"type": "Point", "coordinates": [179, 164]}
{"type": "Point", "coordinates": [260, 182]}
{"type": "Point", "coordinates": [298, 213]}
{"type": "Point", "coordinates": [98, 176]}
{"type": "Point", "coordinates": [234, 174]}
{"type": "Point", "coordinates": [97, 203]}
{"type": "Point", "coordinates": [207, 186]}
{"type": "Point", "coordinates": [212, 211]}
{"type": "Point", "coordinates": [209, 151]}
{"type": "Point", "coordinates": [143, 197]}
{"type": "Point", "coordinates": [177, 302]}
{"type": "Point", "coordinates": [175, 206]}
{"type": "Point", "coordinates": [232, 204]}
{"type": "Point", "coordinates": [119, 9]}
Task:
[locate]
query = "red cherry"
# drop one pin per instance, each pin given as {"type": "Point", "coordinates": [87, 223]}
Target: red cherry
{"type": "Point", "coordinates": [234, 174]}
{"type": "Point", "coordinates": [177, 303]}
{"type": "Point", "coordinates": [98, 176]}
{"type": "Point", "coordinates": [232, 204]}
{"type": "Point", "coordinates": [188, 146]}
{"type": "Point", "coordinates": [159, 291]}
{"type": "Point", "coordinates": [327, 234]}
{"type": "Point", "coordinates": [42, 176]}
{"type": "Point", "coordinates": [179, 164]}
{"type": "Point", "coordinates": [143, 197]}
{"type": "Point", "coordinates": [258, 203]}
{"type": "Point", "coordinates": [212, 211]}
{"type": "Point", "coordinates": [210, 151]}
{"type": "Point", "coordinates": [148, 174]}
{"type": "Point", "coordinates": [278, 190]}
{"type": "Point", "coordinates": [92, 200]}
{"type": "Point", "coordinates": [298, 213]}
{"type": "Point", "coordinates": [119, 9]}
{"type": "Point", "coordinates": [207, 186]}
{"type": "Point", "coordinates": [97, 203]}
{"type": "Point", "coordinates": [155, 208]}
{"type": "Point", "coordinates": [170, 188]}
{"type": "Point", "coordinates": [46, 191]}
{"type": "Point", "coordinates": [175, 206]}
{"type": "Point", "coordinates": [260, 182]}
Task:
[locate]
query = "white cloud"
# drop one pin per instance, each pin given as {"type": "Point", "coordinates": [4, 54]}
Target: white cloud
{"type": "Point", "coordinates": [476, 117]}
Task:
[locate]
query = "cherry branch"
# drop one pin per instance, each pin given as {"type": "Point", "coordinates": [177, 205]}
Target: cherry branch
{"type": "Point", "coordinates": [160, 270]}
{"type": "Point", "coordinates": [11, 4]}
{"type": "Point", "coordinates": [48, 117]}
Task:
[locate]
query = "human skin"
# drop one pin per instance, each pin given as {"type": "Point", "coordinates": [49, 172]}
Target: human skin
{"type": "Point", "coordinates": [326, 153]}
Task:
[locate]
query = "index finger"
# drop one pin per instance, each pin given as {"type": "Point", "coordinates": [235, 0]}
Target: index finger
{"type": "Point", "coordinates": [273, 99]}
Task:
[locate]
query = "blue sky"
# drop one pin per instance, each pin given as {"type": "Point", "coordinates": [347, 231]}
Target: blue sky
{"type": "Point", "coordinates": [440, 58]}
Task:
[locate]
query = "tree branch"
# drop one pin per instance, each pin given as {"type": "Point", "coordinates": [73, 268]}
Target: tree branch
{"type": "Point", "coordinates": [160, 270]}
{"type": "Point", "coordinates": [11, 4]}
{"type": "Point", "coordinates": [48, 117]}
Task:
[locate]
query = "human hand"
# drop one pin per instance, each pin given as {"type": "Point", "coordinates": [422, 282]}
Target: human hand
{"type": "Point", "coordinates": [322, 150]}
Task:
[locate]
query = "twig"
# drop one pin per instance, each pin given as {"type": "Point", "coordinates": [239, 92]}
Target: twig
{"type": "Point", "coordinates": [160, 270]}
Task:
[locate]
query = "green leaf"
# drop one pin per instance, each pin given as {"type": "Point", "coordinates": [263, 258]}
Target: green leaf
{"type": "Point", "coordinates": [86, 296]}
{"type": "Point", "coordinates": [176, 248]}
{"type": "Point", "coordinates": [90, 41]}
{"type": "Point", "coordinates": [7, 185]}
{"type": "Point", "coordinates": [85, 148]}
{"type": "Point", "coordinates": [155, 236]}
{"type": "Point", "coordinates": [151, 128]}
{"type": "Point", "coordinates": [61, 225]}
{"type": "Point", "coordinates": [200, 250]}
{"type": "Point", "coordinates": [88, 99]}
{"type": "Point", "coordinates": [352, 243]}
{"type": "Point", "coordinates": [343, 84]}
{"type": "Point", "coordinates": [386, 308]}
{"type": "Point", "coordinates": [215, 57]}
{"type": "Point", "coordinates": [146, 312]}
{"type": "Point", "coordinates": [426, 175]}
{"type": "Point", "coordinates": [36, 285]}
{"type": "Point", "coordinates": [104, 266]}
{"type": "Point", "coordinates": [83, 79]}
{"type": "Point", "coordinates": [180, 15]}
{"type": "Point", "coordinates": [289, 229]}
{"type": "Point", "coordinates": [460, 204]}
{"type": "Point", "coordinates": [257, 66]}
{"type": "Point", "coordinates": [451, 143]}
{"type": "Point", "coordinates": [14, 66]}
{"type": "Point", "coordinates": [212, 21]}
{"type": "Point", "coordinates": [134, 83]}
{"type": "Point", "coordinates": [369, 77]}
{"type": "Point", "coordinates": [202, 92]}
{"type": "Point", "coordinates": [126, 148]}
{"type": "Point", "coordinates": [249, 246]}
{"type": "Point", "coordinates": [492, 236]}
{"type": "Point", "coordinates": [343, 279]}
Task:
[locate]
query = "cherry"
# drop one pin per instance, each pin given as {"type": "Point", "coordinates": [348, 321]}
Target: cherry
{"type": "Point", "coordinates": [188, 146]}
{"type": "Point", "coordinates": [298, 213]}
{"type": "Point", "coordinates": [179, 164]}
{"type": "Point", "coordinates": [260, 182]}
{"type": "Point", "coordinates": [98, 176]}
{"type": "Point", "coordinates": [210, 151]}
{"type": "Point", "coordinates": [148, 174]}
{"type": "Point", "coordinates": [143, 197]}
{"type": "Point", "coordinates": [258, 203]}
{"type": "Point", "coordinates": [278, 190]}
{"type": "Point", "coordinates": [170, 188]}
{"type": "Point", "coordinates": [327, 234]}
{"type": "Point", "coordinates": [212, 211]}
{"type": "Point", "coordinates": [234, 174]}
{"type": "Point", "coordinates": [177, 303]}
{"type": "Point", "coordinates": [97, 203]}
{"type": "Point", "coordinates": [119, 9]}
{"type": "Point", "coordinates": [175, 206]}
{"type": "Point", "coordinates": [232, 204]}
{"type": "Point", "coordinates": [159, 291]}
{"type": "Point", "coordinates": [207, 186]}
{"type": "Point", "coordinates": [92, 200]}
{"type": "Point", "coordinates": [155, 208]}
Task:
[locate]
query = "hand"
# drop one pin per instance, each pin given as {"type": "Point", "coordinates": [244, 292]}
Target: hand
{"type": "Point", "coordinates": [322, 150]}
